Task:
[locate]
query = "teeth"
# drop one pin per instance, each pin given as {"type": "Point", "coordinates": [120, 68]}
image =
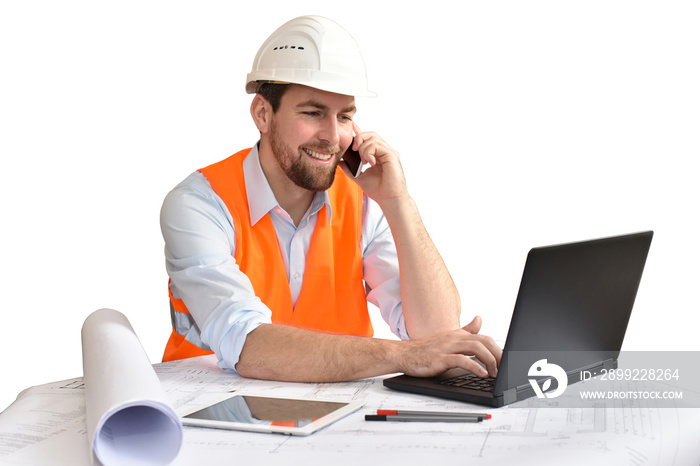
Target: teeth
{"type": "Point", "coordinates": [317, 155]}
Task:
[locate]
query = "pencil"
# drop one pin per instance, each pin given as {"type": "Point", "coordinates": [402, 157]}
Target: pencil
{"type": "Point", "coordinates": [422, 418]}
{"type": "Point", "coordinates": [394, 412]}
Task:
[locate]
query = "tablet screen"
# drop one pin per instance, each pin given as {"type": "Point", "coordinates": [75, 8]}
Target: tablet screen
{"type": "Point", "coordinates": [270, 414]}
{"type": "Point", "coordinates": [262, 410]}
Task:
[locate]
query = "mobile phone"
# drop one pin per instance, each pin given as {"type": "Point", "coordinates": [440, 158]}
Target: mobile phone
{"type": "Point", "coordinates": [352, 160]}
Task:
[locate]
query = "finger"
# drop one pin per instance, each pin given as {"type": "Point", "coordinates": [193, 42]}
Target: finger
{"type": "Point", "coordinates": [357, 138]}
{"type": "Point", "coordinates": [492, 360]}
{"type": "Point", "coordinates": [488, 359]}
{"type": "Point", "coordinates": [493, 347]}
{"type": "Point", "coordinates": [484, 349]}
{"type": "Point", "coordinates": [468, 364]}
{"type": "Point", "coordinates": [368, 153]}
{"type": "Point", "coordinates": [356, 129]}
{"type": "Point", "coordinates": [474, 326]}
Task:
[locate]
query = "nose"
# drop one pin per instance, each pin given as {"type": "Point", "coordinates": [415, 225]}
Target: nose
{"type": "Point", "coordinates": [329, 131]}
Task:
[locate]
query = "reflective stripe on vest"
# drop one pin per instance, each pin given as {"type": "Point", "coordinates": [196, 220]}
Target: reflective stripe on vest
{"type": "Point", "coordinates": [332, 297]}
{"type": "Point", "coordinates": [184, 324]}
{"type": "Point", "coordinates": [184, 341]}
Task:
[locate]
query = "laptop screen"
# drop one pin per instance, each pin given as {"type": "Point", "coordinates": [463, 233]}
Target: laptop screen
{"type": "Point", "coordinates": [573, 305]}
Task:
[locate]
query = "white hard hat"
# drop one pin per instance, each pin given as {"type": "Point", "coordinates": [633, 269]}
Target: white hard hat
{"type": "Point", "coordinates": [313, 51]}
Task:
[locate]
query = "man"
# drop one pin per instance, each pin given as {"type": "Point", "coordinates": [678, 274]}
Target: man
{"type": "Point", "coordinates": [274, 252]}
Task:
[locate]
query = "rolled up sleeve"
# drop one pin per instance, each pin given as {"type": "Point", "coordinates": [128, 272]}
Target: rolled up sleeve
{"type": "Point", "coordinates": [199, 246]}
{"type": "Point", "coordinates": [381, 268]}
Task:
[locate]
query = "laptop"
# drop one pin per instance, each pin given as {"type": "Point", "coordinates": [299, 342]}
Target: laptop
{"type": "Point", "coordinates": [572, 310]}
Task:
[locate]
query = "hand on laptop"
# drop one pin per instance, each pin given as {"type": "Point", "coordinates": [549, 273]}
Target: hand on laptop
{"type": "Point", "coordinates": [432, 355]}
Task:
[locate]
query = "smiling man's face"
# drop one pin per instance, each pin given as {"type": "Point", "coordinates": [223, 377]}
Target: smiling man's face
{"type": "Point", "coordinates": [309, 133]}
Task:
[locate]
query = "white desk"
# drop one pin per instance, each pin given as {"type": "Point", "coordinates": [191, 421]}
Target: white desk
{"type": "Point", "coordinates": [46, 426]}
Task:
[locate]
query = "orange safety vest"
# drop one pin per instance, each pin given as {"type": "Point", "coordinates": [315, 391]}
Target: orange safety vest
{"type": "Point", "coordinates": [332, 297]}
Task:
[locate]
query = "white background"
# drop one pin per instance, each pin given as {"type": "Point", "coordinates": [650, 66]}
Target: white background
{"type": "Point", "coordinates": [520, 124]}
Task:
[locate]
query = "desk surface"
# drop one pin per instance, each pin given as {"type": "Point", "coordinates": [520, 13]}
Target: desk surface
{"type": "Point", "coordinates": [46, 425]}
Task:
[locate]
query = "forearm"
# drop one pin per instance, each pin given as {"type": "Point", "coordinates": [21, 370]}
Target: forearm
{"type": "Point", "coordinates": [280, 352]}
{"type": "Point", "coordinates": [289, 354]}
{"type": "Point", "coordinates": [429, 297]}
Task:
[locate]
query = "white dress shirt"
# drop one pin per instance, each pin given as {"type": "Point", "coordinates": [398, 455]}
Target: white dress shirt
{"type": "Point", "coordinates": [200, 243]}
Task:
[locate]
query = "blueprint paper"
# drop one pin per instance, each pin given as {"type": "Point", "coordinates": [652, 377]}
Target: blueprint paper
{"type": "Point", "coordinates": [128, 415]}
{"type": "Point", "coordinates": [46, 427]}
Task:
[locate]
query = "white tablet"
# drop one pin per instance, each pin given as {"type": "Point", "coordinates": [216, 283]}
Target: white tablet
{"type": "Point", "coordinates": [280, 415]}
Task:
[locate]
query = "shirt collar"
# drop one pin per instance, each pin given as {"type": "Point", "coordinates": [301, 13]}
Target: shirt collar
{"type": "Point", "coordinates": [261, 199]}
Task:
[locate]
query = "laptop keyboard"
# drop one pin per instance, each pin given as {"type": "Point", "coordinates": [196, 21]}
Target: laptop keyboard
{"type": "Point", "coordinates": [471, 381]}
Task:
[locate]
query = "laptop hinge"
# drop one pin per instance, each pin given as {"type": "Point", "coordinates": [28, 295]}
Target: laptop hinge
{"type": "Point", "coordinates": [509, 396]}
{"type": "Point", "coordinates": [610, 364]}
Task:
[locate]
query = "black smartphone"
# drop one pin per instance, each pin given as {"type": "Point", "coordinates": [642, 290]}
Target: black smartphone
{"type": "Point", "coordinates": [353, 161]}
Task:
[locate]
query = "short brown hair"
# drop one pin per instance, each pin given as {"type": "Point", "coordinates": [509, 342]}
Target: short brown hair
{"type": "Point", "coordinates": [273, 92]}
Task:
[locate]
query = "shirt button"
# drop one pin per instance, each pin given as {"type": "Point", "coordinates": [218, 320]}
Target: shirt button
{"type": "Point", "coordinates": [296, 276]}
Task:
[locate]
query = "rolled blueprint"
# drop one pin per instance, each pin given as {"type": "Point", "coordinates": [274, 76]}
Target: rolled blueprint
{"type": "Point", "coordinates": [129, 418]}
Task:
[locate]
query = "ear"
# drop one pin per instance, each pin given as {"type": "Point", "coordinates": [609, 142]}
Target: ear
{"type": "Point", "coordinates": [261, 111]}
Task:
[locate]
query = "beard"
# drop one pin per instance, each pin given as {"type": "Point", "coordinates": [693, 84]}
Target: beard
{"type": "Point", "coordinates": [292, 162]}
